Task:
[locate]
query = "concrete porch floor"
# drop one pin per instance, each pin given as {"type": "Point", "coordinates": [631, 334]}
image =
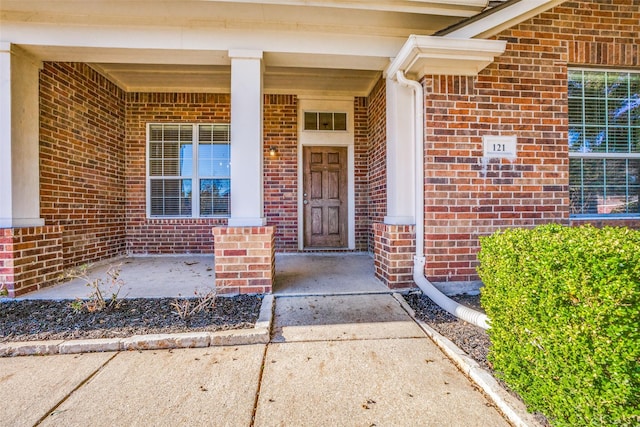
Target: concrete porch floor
{"type": "Point", "coordinates": [174, 276]}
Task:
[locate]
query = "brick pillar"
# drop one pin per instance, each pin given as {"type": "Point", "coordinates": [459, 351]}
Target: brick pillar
{"type": "Point", "coordinates": [245, 259]}
{"type": "Point", "coordinates": [394, 248]}
{"type": "Point", "coordinates": [30, 258]}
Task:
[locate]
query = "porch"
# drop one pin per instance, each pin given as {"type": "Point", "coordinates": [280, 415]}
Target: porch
{"type": "Point", "coordinates": [183, 275]}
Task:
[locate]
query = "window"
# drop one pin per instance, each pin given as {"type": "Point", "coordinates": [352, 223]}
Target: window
{"type": "Point", "coordinates": [325, 121]}
{"type": "Point", "coordinates": [184, 157]}
{"type": "Point", "coordinates": [604, 142]}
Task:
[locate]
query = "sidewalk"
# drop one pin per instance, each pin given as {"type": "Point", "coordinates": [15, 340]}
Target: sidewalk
{"type": "Point", "coordinates": [356, 360]}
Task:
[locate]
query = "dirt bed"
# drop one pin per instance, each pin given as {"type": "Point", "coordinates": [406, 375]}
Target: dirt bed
{"type": "Point", "coordinates": [27, 320]}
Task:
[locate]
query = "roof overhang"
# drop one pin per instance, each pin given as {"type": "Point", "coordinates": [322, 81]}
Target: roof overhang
{"type": "Point", "coordinates": [423, 55]}
{"type": "Point", "coordinates": [498, 19]}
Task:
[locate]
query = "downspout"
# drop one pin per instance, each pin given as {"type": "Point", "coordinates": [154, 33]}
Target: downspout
{"type": "Point", "coordinates": [460, 311]}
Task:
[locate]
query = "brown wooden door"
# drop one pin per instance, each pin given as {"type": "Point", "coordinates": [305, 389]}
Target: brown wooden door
{"type": "Point", "coordinates": [325, 197]}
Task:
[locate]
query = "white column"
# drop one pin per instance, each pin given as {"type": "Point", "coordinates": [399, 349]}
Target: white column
{"type": "Point", "coordinates": [400, 155]}
{"type": "Point", "coordinates": [19, 139]}
{"type": "Point", "coordinates": [246, 139]}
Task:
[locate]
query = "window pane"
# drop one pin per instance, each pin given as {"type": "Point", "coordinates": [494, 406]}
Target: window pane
{"type": "Point", "coordinates": [214, 160]}
{"type": "Point", "coordinates": [617, 85]}
{"type": "Point", "coordinates": [171, 197]}
{"type": "Point", "coordinates": [575, 84]}
{"type": "Point", "coordinates": [595, 112]}
{"type": "Point", "coordinates": [576, 139]}
{"type": "Point", "coordinates": [594, 84]}
{"type": "Point", "coordinates": [340, 121]}
{"type": "Point", "coordinates": [310, 121]}
{"type": "Point", "coordinates": [215, 196]}
{"type": "Point", "coordinates": [618, 140]}
{"type": "Point", "coordinates": [325, 121]}
{"type": "Point", "coordinates": [595, 140]}
{"type": "Point", "coordinates": [575, 111]}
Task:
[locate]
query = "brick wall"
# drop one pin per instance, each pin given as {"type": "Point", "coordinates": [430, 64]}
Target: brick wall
{"type": "Point", "coordinates": [361, 167]}
{"type": "Point", "coordinates": [245, 259]}
{"type": "Point", "coordinates": [82, 161]}
{"type": "Point", "coordinates": [523, 93]}
{"type": "Point", "coordinates": [30, 258]}
{"type": "Point", "coordinates": [156, 236]}
{"type": "Point", "coordinates": [395, 246]}
{"type": "Point", "coordinates": [377, 157]}
{"type": "Point", "coordinates": [281, 170]}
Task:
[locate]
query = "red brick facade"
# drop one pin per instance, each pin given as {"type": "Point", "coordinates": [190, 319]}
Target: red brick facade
{"type": "Point", "coordinates": [245, 259]}
{"type": "Point", "coordinates": [523, 93]}
{"type": "Point", "coordinates": [377, 156]}
{"type": "Point", "coordinates": [30, 258]}
{"type": "Point", "coordinates": [82, 155]}
{"type": "Point", "coordinates": [162, 236]}
{"type": "Point", "coordinates": [281, 170]}
{"type": "Point", "coordinates": [395, 247]}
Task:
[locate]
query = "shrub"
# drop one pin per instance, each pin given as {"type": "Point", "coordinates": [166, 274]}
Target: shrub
{"type": "Point", "coordinates": [564, 304]}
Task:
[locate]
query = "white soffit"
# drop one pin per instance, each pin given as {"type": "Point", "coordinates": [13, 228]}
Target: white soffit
{"type": "Point", "coordinates": [498, 19]}
{"type": "Point", "coordinates": [423, 55]}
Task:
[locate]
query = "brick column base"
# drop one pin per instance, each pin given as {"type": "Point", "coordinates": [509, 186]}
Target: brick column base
{"type": "Point", "coordinates": [394, 248]}
{"type": "Point", "coordinates": [245, 259]}
{"type": "Point", "coordinates": [30, 258]}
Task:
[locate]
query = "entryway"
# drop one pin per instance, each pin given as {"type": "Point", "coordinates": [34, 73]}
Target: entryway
{"type": "Point", "coordinates": [326, 274]}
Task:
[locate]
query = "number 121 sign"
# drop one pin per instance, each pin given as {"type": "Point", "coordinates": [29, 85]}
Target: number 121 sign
{"type": "Point", "coordinates": [500, 147]}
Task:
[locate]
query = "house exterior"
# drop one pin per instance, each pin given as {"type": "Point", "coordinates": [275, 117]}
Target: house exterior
{"type": "Point", "coordinates": [242, 128]}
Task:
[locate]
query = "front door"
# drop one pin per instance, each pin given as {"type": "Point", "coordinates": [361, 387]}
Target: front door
{"type": "Point", "coordinates": [325, 197]}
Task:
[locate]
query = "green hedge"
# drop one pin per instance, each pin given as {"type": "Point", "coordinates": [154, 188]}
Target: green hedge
{"type": "Point", "coordinates": [564, 304]}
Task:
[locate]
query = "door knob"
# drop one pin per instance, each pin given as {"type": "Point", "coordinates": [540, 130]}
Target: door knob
{"type": "Point", "coordinates": [305, 202]}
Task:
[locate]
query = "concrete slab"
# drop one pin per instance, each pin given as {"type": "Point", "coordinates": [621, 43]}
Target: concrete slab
{"type": "Point", "coordinates": [144, 277]}
{"type": "Point", "coordinates": [393, 382]}
{"type": "Point", "coordinates": [341, 317]}
{"type": "Point", "coordinates": [321, 274]}
{"type": "Point", "coordinates": [204, 386]}
{"type": "Point", "coordinates": [31, 386]}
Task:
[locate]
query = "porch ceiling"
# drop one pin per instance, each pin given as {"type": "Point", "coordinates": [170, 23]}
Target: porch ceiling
{"type": "Point", "coordinates": [333, 47]}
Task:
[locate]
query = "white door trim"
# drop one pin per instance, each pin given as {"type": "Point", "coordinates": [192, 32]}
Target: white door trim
{"type": "Point", "coordinates": [328, 139]}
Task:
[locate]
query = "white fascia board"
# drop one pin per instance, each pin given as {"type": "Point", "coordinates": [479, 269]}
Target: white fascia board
{"type": "Point", "coordinates": [496, 21]}
{"type": "Point", "coordinates": [462, 8]}
{"type": "Point", "coordinates": [194, 39]}
{"type": "Point", "coordinates": [422, 55]}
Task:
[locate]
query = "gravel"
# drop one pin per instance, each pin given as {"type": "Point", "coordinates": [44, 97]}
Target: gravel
{"type": "Point", "coordinates": [26, 320]}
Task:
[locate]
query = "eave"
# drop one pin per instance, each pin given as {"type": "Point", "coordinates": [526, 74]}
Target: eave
{"type": "Point", "coordinates": [422, 55]}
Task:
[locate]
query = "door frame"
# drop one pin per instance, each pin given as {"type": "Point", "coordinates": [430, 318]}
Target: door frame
{"type": "Point", "coordinates": [328, 139]}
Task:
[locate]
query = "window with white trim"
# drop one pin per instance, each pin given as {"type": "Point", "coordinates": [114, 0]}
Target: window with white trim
{"type": "Point", "coordinates": [328, 121]}
{"type": "Point", "coordinates": [604, 142]}
{"type": "Point", "coordinates": [188, 170]}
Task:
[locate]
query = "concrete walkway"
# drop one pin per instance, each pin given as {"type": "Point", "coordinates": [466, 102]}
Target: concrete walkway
{"type": "Point", "coordinates": [356, 360]}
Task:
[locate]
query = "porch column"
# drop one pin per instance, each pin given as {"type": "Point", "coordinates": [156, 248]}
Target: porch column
{"type": "Point", "coordinates": [400, 155]}
{"type": "Point", "coordinates": [19, 139]}
{"type": "Point", "coordinates": [394, 241]}
{"type": "Point", "coordinates": [246, 139]}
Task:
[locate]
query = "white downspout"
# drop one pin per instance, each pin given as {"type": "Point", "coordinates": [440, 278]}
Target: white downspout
{"type": "Point", "coordinates": [458, 310]}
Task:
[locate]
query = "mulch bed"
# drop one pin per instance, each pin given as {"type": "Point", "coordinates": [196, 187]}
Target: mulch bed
{"type": "Point", "coordinates": [471, 339]}
{"type": "Point", "coordinates": [27, 320]}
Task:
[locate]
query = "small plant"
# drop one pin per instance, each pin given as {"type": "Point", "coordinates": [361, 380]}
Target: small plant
{"type": "Point", "coordinates": [96, 300]}
{"type": "Point", "coordinates": [185, 308]}
{"type": "Point", "coordinates": [4, 292]}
